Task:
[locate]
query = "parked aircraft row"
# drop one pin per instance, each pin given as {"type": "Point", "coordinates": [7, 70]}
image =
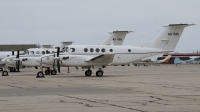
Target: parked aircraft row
{"type": "Point", "coordinates": [97, 56]}
{"type": "Point", "coordinates": [193, 59]}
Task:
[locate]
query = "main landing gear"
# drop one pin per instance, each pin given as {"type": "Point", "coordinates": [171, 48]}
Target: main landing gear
{"type": "Point", "coordinates": [99, 73]}
{"type": "Point", "coordinates": [88, 72]}
{"type": "Point", "coordinates": [40, 74]}
{"type": "Point", "coordinates": [52, 72]}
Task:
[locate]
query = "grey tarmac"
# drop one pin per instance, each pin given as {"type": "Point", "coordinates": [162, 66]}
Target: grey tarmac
{"type": "Point", "coordinates": [121, 89]}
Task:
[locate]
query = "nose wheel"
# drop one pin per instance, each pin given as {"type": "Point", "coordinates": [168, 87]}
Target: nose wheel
{"type": "Point", "coordinates": [4, 73]}
{"type": "Point", "coordinates": [40, 75]}
{"type": "Point", "coordinates": [88, 72]}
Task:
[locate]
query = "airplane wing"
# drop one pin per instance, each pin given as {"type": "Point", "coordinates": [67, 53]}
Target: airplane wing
{"type": "Point", "coordinates": [194, 57]}
{"type": "Point", "coordinates": [107, 58]}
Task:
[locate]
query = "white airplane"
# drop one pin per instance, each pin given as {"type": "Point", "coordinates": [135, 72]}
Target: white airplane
{"type": "Point", "coordinates": [99, 56]}
{"type": "Point", "coordinates": [29, 57]}
{"type": "Point", "coordinates": [192, 60]}
{"type": "Point", "coordinates": [5, 54]}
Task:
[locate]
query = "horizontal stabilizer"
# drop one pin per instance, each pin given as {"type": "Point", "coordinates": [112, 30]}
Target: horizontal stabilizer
{"type": "Point", "coordinates": [116, 38]}
{"type": "Point", "coordinates": [179, 25]}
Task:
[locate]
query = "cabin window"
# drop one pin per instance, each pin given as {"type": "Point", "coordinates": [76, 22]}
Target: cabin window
{"type": "Point", "coordinates": [91, 49]}
{"type": "Point", "coordinates": [31, 52]}
{"type": "Point", "coordinates": [53, 51]}
{"type": "Point", "coordinates": [43, 52]}
{"type": "Point", "coordinates": [111, 50]}
{"type": "Point", "coordinates": [72, 49]}
{"type": "Point", "coordinates": [97, 49]}
{"type": "Point", "coordinates": [103, 50]}
{"type": "Point", "coordinates": [85, 50]}
{"type": "Point", "coordinates": [129, 50]}
{"type": "Point", "coordinates": [38, 52]}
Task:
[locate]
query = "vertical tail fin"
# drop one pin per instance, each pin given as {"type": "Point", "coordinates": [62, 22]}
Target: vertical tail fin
{"type": "Point", "coordinates": [177, 60]}
{"type": "Point", "coordinates": [169, 37]}
{"type": "Point", "coordinates": [116, 38]}
{"type": "Point", "coordinates": [167, 59]}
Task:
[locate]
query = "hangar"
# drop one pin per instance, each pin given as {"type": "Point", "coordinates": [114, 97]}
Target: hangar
{"type": "Point", "coordinates": [21, 47]}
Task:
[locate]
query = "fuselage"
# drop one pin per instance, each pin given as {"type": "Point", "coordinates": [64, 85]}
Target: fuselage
{"type": "Point", "coordinates": [78, 54]}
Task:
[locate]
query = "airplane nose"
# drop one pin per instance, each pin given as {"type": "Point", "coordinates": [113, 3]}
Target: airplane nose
{"type": "Point", "coordinates": [3, 61]}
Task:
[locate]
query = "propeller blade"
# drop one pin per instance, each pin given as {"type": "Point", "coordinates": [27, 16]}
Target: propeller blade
{"type": "Point", "coordinates": [17, 62]}
{"type": "Point", "coordinates": [41, 65]}
{"type": "Point", "coordinates": [58, 64]}
{"type": "Point", "coordinates": [54, 62]}
{"type": "Point", "coordinates": [58, 51]}
{"type": "Point", "coordinates": [17, 53]}
{"type": "Point", "coordinates": [13, 53]}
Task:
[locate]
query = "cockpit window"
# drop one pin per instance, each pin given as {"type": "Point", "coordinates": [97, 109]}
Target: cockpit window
{"type": "Point", "coordinates": [26, 52]}
{"type": "Point", "coordinates": [66, 49]}
{"type": "Point", "coordinates": [43, 52]}
{"type": "Point", "coordinates": [31, 52]}
{"type": "Point", "coordinates": [47, 52]}
{"type": "Point", "coordinates": [72, 49]}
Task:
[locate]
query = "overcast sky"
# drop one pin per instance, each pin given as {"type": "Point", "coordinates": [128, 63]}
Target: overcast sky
{"type": "Point", "coordinates": [88, 21]}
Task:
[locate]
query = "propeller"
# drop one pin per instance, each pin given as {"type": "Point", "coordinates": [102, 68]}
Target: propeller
{"type": "Point", "coordinates": [58, 62]}
{"type": "Point", "coordinates": [18, 61]}
{"type": "Point", "coordinates": [13, 53]}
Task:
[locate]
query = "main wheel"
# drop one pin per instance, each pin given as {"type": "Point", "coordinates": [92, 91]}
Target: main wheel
{"type": "Point", "coordinates": [99, 73]}
{"type": "Point", "coordinates": [4, 73]}
{"type": "Point", "coordinates": [53, 72]}
{"type": "Point", "coordinates": [47, 72]}
{"type": "Point", "coordinates": [40, 75]}
{"type": "Point", "coordinates": [88, 72]}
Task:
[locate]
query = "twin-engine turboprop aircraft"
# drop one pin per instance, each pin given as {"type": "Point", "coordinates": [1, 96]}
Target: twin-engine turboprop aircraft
{"type": "Point", "coordinates": [99, 56]}
{"type": "Point", "coordinates": [30, 56]}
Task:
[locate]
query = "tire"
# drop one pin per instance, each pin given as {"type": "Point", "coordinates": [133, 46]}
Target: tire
{"type": "Point", "coordinates": [47, 72]}
{"type": "Point", "coordinates": [53, 72]}
{"type": "Point", "coordinates": [4, 73]}
{"type": "Point", "coordinates": [88, 72]}
{"type": "Point", "coordinates": [40, 75]}
{"type": "Point", "coordinates": [99, 73]}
